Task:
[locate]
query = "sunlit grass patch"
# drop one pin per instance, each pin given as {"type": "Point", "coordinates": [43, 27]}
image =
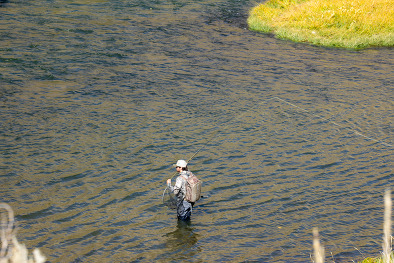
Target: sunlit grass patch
{"type": "Point", "coordinates": [338, 23]}
{"type": "Point", "coordinates": [376, 260]}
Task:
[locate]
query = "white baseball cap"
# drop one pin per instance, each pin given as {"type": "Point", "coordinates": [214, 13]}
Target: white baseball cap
{"type": "Point", "coordinates": [181, 163]}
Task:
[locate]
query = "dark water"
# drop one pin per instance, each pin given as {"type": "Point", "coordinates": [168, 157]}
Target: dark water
{"type": "Point", "coordinates": [99, 99]}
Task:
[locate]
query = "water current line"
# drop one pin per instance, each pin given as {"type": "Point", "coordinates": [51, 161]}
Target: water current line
{"type": "Point", "coordinates": [333, 122]}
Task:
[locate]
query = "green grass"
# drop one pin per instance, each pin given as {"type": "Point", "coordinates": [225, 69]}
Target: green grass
{"type": "Point", "coordinates": [376, 260]}
{"type": "Point", "coordinates": [336, 23]}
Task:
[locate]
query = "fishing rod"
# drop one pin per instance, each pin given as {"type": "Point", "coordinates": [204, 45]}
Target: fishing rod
{"type": "Point", "coordinates": [205, 144]}
{"type": "Point", "coordinates": [202, 147]}
{"type": "Point", "coordinates": [217, 132]}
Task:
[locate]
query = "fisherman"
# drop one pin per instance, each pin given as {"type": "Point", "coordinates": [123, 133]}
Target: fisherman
{"type": "Point", "coordinates": [184, 208]}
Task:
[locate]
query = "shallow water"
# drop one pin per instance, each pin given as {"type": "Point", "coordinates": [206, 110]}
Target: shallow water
{"type": "Point", "coordinates": [99, 99]}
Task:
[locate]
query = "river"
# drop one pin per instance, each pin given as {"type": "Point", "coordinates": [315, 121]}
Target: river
{"type": "Point", "coordinates": [99, 98]}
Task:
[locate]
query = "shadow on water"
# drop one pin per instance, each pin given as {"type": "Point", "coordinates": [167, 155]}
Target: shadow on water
{"type": "Point", "coordinates": [230, 12]}
{"type": "Point", "coordinates": [182, 239]}
{"type": "Point", "coordinates": [2, 2]}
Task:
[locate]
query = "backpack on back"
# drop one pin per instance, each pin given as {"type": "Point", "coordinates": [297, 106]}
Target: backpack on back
{"type": "Point", "coordinates": [193, 188]}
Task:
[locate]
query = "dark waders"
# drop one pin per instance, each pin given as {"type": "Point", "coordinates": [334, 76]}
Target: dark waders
{"type": "Point", "coordinates": [184, 209]}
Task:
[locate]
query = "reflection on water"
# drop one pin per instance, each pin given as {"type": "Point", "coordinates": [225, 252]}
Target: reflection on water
{"type": "Point", "coordinates": [99, 98]}
{"type": "Point", "coordinates": [182, 240]}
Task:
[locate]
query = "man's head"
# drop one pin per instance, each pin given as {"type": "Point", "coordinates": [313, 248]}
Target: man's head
{"type": "Point", "coordinates": [181, 165]}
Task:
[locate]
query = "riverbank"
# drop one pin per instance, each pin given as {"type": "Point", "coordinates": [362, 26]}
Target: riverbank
{"type": "Point", "coordinates": [337, 23]}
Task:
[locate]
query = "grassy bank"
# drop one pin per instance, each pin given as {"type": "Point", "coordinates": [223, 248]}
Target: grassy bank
{"type": "Point", "coordinates": [336, 23]}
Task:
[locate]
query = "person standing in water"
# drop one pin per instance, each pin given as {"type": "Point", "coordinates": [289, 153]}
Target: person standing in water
{"type": "Point", "coordinates": [184, 208]}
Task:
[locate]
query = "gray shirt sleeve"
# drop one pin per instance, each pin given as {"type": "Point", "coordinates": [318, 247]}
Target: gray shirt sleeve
{"type": "Point", "coordinates": [179, 186]}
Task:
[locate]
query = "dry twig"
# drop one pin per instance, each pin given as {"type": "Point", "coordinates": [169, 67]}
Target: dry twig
{"type": "Point", "coordinates": [11, 250]}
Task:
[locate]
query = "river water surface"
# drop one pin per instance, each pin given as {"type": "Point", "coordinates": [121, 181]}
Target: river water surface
{"type": "Point", "coordinates": [99, 98]}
